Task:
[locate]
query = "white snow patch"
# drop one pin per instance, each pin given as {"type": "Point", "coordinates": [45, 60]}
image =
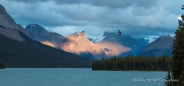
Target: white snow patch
{"type": "Point", "coordinates": [32, 25]}
{"type": "Point", "coordinates": [100, 38]}
{"type": "Point", "coordinates": [151, 38]}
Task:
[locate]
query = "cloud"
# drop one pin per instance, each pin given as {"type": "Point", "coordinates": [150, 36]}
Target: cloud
{"type": "Point", "coordinates": [103, 3]}
{"type": "Point", "coordinates": [113, 49]}
{"type": "Point", "coordinates": [137, 18]}
{"type": "Point", "coordinates": [91, 31]}
{"type": "Point", "coordinates": [179, 18]}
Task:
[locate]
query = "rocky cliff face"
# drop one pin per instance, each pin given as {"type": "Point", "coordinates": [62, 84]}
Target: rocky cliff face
{"type": "Point", "coordinates": [160, 47]}
{"type": "Point", "coordinates": [39, 33]}
{"type": "Point", "coordinates": [7, 21]}
{"type": "Point", "coordinates": [11, 33]}
{"type": "Point", "coordinates": [8, 27]}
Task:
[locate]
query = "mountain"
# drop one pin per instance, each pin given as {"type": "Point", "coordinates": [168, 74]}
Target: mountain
{"type": "Point", "coordinates": [11, 33]}
{"type": "Point", "coordinates": [78, 43]}
{"type": "Point", "coordinates": [7, 21]}
{"type": "Point", "coordinates": [160, 47]}
{"type": "Point", "coordinates": [113, 49]}
{"type": "Point", "coordinates": [39, 33]}
{"type": "Point", "coordinates": [8, 26]}
{"type": "Point", "coordinates": [55, 40]}
{"type": "Point", "coordinates": [19, 50]}
{"type": "Point", "coordinates": [135, 45]}
{"type": "Point", "coordinates": [34, 54]}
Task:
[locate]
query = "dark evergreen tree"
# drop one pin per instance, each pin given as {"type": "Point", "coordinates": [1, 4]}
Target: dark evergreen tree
{"type": "Point", "coordinates": [168, 77]}
{"type": "Point", "coordinates": [182, 78]}
{"type": "Point", "coordinates": [178, 51]}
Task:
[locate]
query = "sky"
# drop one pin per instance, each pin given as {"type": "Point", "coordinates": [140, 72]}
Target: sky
{"type": "Point", "coordinates": [137, 18]}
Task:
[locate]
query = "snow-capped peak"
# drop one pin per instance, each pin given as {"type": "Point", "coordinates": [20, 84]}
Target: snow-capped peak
{"type": "Point", "coordinates": [33, 25]}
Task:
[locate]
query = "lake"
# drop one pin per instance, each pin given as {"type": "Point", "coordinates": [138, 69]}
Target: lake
{"type": "Point", "coordinates": [78, 77]}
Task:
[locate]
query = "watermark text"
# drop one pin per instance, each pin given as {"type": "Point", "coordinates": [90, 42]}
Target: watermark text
{"type": "Point", "coordinates": [154, 80]}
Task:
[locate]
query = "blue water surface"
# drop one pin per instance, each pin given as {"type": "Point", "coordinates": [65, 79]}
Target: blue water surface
{"type": "Point", "coordinates": [78, 77]}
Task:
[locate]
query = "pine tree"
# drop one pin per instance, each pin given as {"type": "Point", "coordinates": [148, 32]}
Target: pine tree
{"type": "Point", "coordinates": [168, 83]}
{"type": "Point", "coordinates": [178, 51]}
{"type": "Point", "coordinates": [182, 78]}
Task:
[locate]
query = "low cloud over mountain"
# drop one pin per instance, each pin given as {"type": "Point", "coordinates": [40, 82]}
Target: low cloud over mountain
{"type": "Point", "coordinates": [113, 49]}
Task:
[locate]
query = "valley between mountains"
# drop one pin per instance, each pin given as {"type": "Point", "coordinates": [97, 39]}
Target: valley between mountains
{"type": "Point", "coordinates": [34, 46]}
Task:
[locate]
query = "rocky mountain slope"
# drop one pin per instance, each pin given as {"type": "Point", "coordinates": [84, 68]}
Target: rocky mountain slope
{"type": "Point", "coordinates": [7, 21]}
{"type": "Point", "coordinates": [11, 33]}
{"type": "Point", "coordinates": [160, 47]}
{"type": "Point", "coordinates": [8, 27]}
{"type": "Point", "coordinates": [39, 33]}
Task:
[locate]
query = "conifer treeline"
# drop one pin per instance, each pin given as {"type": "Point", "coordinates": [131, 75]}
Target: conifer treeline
{"type": "Point", "coordinates": [133, 63]}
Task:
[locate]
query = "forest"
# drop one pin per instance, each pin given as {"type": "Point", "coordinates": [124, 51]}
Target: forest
{"type": "Point", "coordinates": [2, 65]}
{"type": "Point", "coordinates": [133, 63]}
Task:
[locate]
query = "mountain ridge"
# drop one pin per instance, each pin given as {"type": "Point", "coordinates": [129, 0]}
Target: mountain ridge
{"type": "Point", "coordinates": [78, 43]}
{"type": "Point", "coordinates": [8, 22]}
{"type": "Point", "coordinates": [160, 47]}
{"type": "Point", "coordinates": [39, 33]}
{"type": "Point", "coordinates": [125, 45]}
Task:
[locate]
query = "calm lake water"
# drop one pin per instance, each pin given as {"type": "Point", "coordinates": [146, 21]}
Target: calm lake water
{"type": "Point", "coordinates": [78, 77]}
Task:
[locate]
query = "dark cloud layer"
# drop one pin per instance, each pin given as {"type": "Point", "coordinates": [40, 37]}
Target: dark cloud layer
{"type": "Point", "coordinates": [106, 3]}
{"type": "Point", "coordinates": [143, 18]}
